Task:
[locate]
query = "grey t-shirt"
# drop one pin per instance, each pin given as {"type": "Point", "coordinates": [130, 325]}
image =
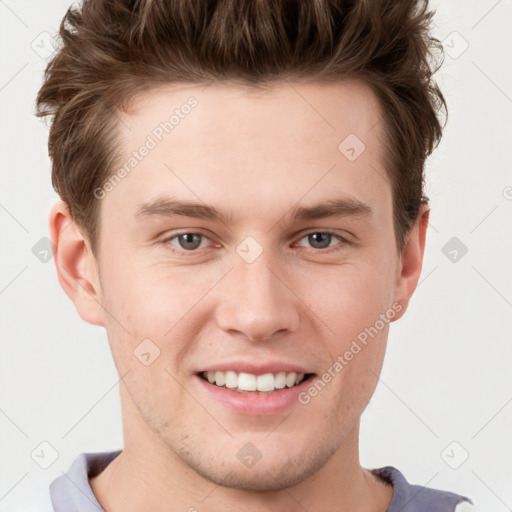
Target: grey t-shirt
{"type": "Point", "coordinates": [71, 491]}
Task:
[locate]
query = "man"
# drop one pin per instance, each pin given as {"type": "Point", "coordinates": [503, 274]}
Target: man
{"type": "Point", "coordinates": [242, 210]}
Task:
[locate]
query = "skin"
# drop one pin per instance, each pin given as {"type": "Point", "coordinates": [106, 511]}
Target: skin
{"type": "Point", "coordinates": [255, 154]}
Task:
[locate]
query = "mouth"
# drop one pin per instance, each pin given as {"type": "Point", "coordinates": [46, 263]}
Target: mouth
{"type": "Point", "coordinates": [266, 383]}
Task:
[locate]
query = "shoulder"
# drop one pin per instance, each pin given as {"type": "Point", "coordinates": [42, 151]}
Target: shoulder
{"type": "Point", "coordinates": [72, 490]}
{"type": "Point", "coordinates": [417, 498]}
{"type": "Point", "coordinates": [68, 492]}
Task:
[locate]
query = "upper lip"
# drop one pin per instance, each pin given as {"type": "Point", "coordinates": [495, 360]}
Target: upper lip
{"type": "Point", "coordinates": [255, 368]}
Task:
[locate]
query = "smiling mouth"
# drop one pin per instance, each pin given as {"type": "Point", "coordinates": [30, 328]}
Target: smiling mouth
{"type": "Point", "coordinates": [250, 383]}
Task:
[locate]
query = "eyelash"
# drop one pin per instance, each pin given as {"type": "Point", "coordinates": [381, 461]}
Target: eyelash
{"type": "Point", "coordinates": [343, 241]}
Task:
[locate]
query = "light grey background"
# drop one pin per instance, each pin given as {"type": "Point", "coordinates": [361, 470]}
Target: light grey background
{"type": "Point", "coordinates": [447, 374]}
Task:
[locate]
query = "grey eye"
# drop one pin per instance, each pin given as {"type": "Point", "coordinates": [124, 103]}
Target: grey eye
{"type": "Point", "coordinates": [189, 241]}
{"type": "Point", "coordinates": [320, 240]}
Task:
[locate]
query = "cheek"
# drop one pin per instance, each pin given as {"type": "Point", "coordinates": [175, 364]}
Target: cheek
{"type": "Point", "coordinates": [356, 309]}
{"type": "Point", "coordinates": [144, 303]}
{"type": "Point", "coordinates": [351, 375]}
{"type": "Point", "coordinates": [350, 299]}
{"type": "Point", "coordinates": [151, 299]}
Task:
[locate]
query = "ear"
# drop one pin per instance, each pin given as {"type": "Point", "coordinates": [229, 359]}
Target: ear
{"type": "Point", "coordinates": [76, 265]}
{"type": "Point", "coordinates": [411, 261]}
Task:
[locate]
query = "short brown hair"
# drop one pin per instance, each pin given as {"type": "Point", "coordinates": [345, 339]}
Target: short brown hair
{"type": "Point", "coordinates": [112, 49]}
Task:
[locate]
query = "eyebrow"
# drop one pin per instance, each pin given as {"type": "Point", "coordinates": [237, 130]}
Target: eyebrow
{"type": "Point", "coordinates": [167, 207]}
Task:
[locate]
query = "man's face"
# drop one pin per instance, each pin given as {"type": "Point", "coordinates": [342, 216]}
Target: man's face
{"type": "Point", "coordinates": [259, 291]}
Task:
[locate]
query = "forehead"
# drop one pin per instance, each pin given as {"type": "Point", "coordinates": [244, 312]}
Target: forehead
{"type": "Point", "coordinates": [283, 110]}
{"type": "Point", "coordinates": [251, 147]}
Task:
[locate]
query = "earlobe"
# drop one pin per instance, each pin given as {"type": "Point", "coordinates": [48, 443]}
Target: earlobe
{"type": "Point", "coordinates": [76, 265]}
{"type": "Point", "coordinates": [411, 261]}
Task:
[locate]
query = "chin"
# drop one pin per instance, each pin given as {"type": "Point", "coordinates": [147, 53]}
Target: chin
{"type": "Point", "coordinates": [273, 471]}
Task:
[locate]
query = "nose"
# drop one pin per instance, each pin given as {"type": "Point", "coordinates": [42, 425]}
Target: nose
{"type": "Point", "coordinates": [257, 301]}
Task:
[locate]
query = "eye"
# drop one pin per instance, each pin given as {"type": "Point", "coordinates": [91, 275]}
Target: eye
{"type": "Point", "coordinates": [322, 240]}
{"type": "Point", "coordinates": [187, 242]}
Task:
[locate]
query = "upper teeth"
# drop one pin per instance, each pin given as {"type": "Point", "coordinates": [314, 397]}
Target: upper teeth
{"type": "Point", "coordinates": [249, 382]}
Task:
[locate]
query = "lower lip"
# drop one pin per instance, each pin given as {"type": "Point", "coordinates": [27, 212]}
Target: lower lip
{"type": "Point", "coordinates": [253, 403]}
